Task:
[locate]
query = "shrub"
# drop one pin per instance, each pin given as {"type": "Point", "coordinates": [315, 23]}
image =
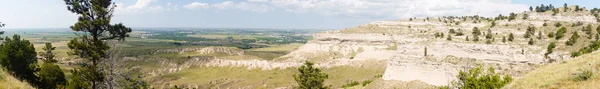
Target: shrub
{"type": "Point", "coordinates": [489, 34]}
{"type": "Point", "coordinates": [545, 24]}
{"type": "Point", "coordinates": [549, 49]}
{"type": "Point", "coordinates": [584, 75]}
{"type": "Point", "coordinates": [488, 42]}
{"type": "Point", "coordinates": [598, 30]}
{"type": "Point", "coordinates": [425, 51]}
{"type": "Point", "coordinates": [444, 87]}
{"type": "Point", "coordinates": [351, 84]}
{"type": "Point", "coordinates": [366, 82]}
{"type": "Point", "coordinates": [459, 33]}
{"type": "Point", "coordinates": [467, 38]}
{"type": "Point", "coordinates": [475, 78]}
{"type": "Point", "coordinates": [531, 42]}
{"type": "Point", "coordinates": [573, 39]}
{"type": "Point", "coordinates": [51, 76]}
{"type": "Point", "coordinates": [449, 37]}
{"type": "Point", "coordinates": [551, 35]}
{"type": "Point", "coordinates": [560, 33]}
{"type": "Point", "coordinates": [590, 48]}
{"type": "Point", "coordinates": [475, 38]}
{"type": "Point", "coordinates": [310, 77]}
{"type": "Point", "coordinates": [451, 31]}
{"type": "Point", "coordinates": [588, 30]}
{"type": "Point", "coordinates": [557, 24]}
{"type": "Point", "coordinates": [503, 39]}
{"type": "Point", "coordinates": [530, 31]}
{"type": "Point", "coordinates": [575, 54]}
{"type": "Point", "coordinates": [511, 37]}
{"type": "Point", "coordinates": [476, 31]}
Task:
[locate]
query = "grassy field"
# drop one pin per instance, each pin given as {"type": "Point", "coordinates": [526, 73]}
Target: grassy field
{"type": "Point", "coordinates": [562, 75]}
{"type": "Point", "coordinates": [9, 82]}
{"type": "Point", "coordinates": [241, 77]}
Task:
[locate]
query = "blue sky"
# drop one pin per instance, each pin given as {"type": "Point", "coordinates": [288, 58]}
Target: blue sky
{"type": "Point", "coordinates": [287, 14]}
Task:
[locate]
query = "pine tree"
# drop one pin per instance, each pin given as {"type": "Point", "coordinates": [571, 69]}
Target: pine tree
{"type": "Point", "coordinates": [310, 77]}
{"type": "Point", "coordinates": [467, 38]}
{"type": "Point", "coordinates": [94, 22]}
{"type": "Point", "coordinates": [19, 57]}
{"type": "Point", "coordinates": [511, 37]}
{"type": "Point", "coordinates": [566, 7]}
{"type": "Point", "coordinates": [549, 49]}
{"type": "Point", "coordinates": [47, 55]}
{"type": "Point", "coordinates": [530, 8]}
{"type": "Point", "coordinates": [560, 33]}
{"type": "Point", "coordinates": [503, 39]}
{"type": "Point", "coordinates": [573, 39]}
{"type": "Point", "coordinates": [551, 35]}
{"type": "Point", "coordinates": [50, 74]}
{"type": "Point", "coordinates": [531, 42]}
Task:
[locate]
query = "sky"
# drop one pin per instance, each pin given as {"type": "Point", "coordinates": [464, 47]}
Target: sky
{"type": "Point", "coordinates": [274, 14]}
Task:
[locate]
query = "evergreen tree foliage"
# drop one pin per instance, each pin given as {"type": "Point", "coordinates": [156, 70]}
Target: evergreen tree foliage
{"type": "Point", "coordinates": [531, 42]}
{"type": "Point", "coordinates": [503, 39]}
{"type": "Point", "coordinates": [530, 8]}
{"type": "Point", "coordinates": [550, 48]}
{"type": "Point", "coordinates": [560, 33]}
{"type": "Point", "coordinates": [2, 32]}
{"type": "Point", "coordinates": [476, 31]}
{"type": "Point", "coordinates": [18, 56]}
{"type": "Point", "coordinates": [94, 22]}
{"type": "Point", "coordinates": [51, 76]}
{"type": "Point", "coordinates": [47, 55]}
{"type": "Point", "coordinates": [489, 34]}
{"type": "Point", "coordinates": [511, 37]}
{"type": "Point", "coordinates": [78, 80]}
{"type": "Point", "coordinates": [530, 31]}
{"type": "Point", "coordinates": [512, 16]}
{"type": "Point", "coordinates": [551, 35]}
{"type": "Point", "coordinates": [310, 77]}
{"type": "Point", "coordinates": [566, 7]}
{"type": "Point", "coordinates": [573, 39]}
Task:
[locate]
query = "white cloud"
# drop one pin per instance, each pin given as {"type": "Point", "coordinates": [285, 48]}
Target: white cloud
{"type": "Point", "coordinates": [377, 9]}
{"type": "Point", "coordinates": [196, 5]}
{"type": "Point", "coordinates": [258, 0]}
{"type": "Point", "coordinates": [141, 6]}
{"type": "Point", "coordinates": [245, 6]}
{"type": "Point", "coordinates": [399, 8]}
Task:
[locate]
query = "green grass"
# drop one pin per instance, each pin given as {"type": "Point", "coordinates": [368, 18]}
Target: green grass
{"type": "Point", "coordinates": [237, 77]}
{"type": "Point", "coordinates": [10, 82]}
{"type": "Point", "coordinates": [562, 75]}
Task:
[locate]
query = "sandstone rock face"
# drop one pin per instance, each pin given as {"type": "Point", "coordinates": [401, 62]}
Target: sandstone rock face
{"type": "Point", "coordinates": [403, 43]}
